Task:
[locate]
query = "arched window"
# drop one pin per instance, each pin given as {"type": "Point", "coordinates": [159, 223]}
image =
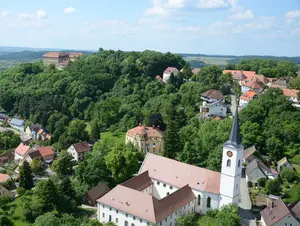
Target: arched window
{"type": "Point", "coordinates": [199, 200]}
{"type": "Point", "coordinates": [132, 224]}
{"type": "Point", "coordinates": [239, 163]}
{"type": "Point", "coordinates": [228, 163]}
{"type": "Point", "coordinates": [126, 223]}
{"type": "Point", "coordinates": [208, 202]}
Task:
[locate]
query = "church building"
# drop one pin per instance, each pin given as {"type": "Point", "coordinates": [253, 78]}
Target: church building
{"type": "Point", "coordinates": [165, 189]}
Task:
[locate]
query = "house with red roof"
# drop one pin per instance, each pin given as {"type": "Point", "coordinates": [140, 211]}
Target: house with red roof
{"type": "Point", "coordinates": [146, 138]}
{"type": "Point", "coordinates": [61, 60]}
{"type": "Point", "coordinates": [246, 97]}
{"type": "Point", "coordinates": [213, 104]}
{"type": "Point", "coordinates": [165, 189]}
{"type": "Point", "coordinates": [292, 94]}
{"type": "Point", "coordinates": [79, 150]}
{"type": "Point", "coordinates": [4, 177]}
{"type": "Point", "coordinates": [167, 73]}
{"type": "Point", "coordinates": [46, 153]}
{"type": "Point", "coordinates": [21, 151]}
{"type": "Point", "coordinates": [278, 213]}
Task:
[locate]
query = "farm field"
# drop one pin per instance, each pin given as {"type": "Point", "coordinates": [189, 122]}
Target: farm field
{"type": "Point", "coordinates": [210, 60]}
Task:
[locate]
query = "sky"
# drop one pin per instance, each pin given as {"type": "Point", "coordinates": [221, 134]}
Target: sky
{"type": "Point", "coordinates": [232, 27]}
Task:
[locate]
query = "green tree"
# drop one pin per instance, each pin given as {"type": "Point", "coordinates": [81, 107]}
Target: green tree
{"type": "Point", "coordinates": [273, 187]}
{"type": "Point", "coordinates": [25, 176]}
{"type": "Point", "coordinates": [295, 83]}
{"type": "Point", "coordinates": [46, 192]}
{"type": "Point", "coordinates": [187, 220]}
{"type": "Point", "coordinates": [229, 216]}
{"type": "Point", "coordinates": [47, 219]}
{"type": "Point", "coordinates": [123, 161]}
{"type": "Point", "coordinates": [288, 174]}
{"type": "Point", "coordinates": [95, 129]}
{"type": "Point", "coordinates": [63, 165]}
{"type": "Point", "coordinates": [37, 166]}
{"type": "Point", "coordinates": [262, 182]}
{"type": "Point", "coordinates": [66, 195]}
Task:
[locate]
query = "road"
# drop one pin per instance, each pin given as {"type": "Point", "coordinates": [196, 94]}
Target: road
{"type": "Point", "coordinates": [245, 205]}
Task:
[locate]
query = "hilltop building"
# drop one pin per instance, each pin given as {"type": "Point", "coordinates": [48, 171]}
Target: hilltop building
{"type": "Point", "coordinates": [61, 60]}
{"type": "Point", "coordinates": [167, 73]}
{"type": "Point", "coordinates": [165, 189]}
{"type": "Point", "coordinates": [146, 139]}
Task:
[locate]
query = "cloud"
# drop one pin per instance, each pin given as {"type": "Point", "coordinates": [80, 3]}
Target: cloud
{"type": "Point", "coordinates": [26, 16]}
{"type": "Point", "coordinates": [292, 16]}
{"type": "Point", "coordinates": [69, 10]}
{"type": "Point", "coordinates": [189, 28]}
{"type": "Point", "coordinates": [213, 4]}
{"type": "Point", "coordinates": [5, 14]}
{"type": "Point", "coordinates": [145, 21]}
{"type": "Point", "coordinates": [246, 15]}
{"type": "Point", "coordinates": [263, 24]}
{"type": "Point", "coordinates": [221, 24]}
{"type": "Point", "coordinates": [295, 31]}
{"type": "Point", "coordinates": [41, 14]}
{"type": "Point", "coordinates": [164, 7]}
{"type": "Point", "coordinates": [162, 27]}
{"type": "Point", "coordinates": [175, 4]}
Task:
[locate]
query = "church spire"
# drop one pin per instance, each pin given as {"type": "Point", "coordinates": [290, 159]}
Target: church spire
{"type": "Point", "coordinates": [235, 137]}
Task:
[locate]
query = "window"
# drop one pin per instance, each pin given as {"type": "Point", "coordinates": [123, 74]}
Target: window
{"type": "Point", "coordinates": [133, 218]}
{"type": "Point", "coordinates": [164, 185]}
{"type": "Point", "coordinates": [208, 202]}
{"type": "Point", "coordinates": [117, 220]}
{"type": "Point", "coordinates": [103, 215]}
{"type": "Point", "coordinates": [199, 200]}
{"type": "Point", "coordinates": [166, 219]}
{"type": "Point", "coordinates": [109, 208]}
{"type": "Point", "coordinates": [117, 211]}
{"type": "Point", "coordinates": [236, 186]}
{"type": "Point", "coordinates": [157, 183]}
{"type": "Point", "coordinates": [126, 223]}
{"type": "Point", "coordinates": [239, 163]}
{"type": "Point", "coordinates": [109, 218]}
{"type": "Point", "coordinates": [168, 193]}
{"type": "Point", "coordinates": [103, 206]}
{"type": "Point", "coordinates": [126, 214]}
{"type": "Point", "coordinates": [228, 163]}
{"type": "Point", "coordinates": [171, 187]}
{"type": "Point", "coordinates": [184, 207]}
{"type": "Point", "coordinates": [141, 220]}
{"type": "Point", "coordinates": [160, 223]}
{"type": "Point", "coordinates": [132, 224]}
{"type": "Point", "coordinates": [170, 223]}
{"type": "Point", "coordinates": [193, 209]}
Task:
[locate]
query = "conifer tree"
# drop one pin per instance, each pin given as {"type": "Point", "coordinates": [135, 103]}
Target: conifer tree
{"type": "Point", "coordinates": [25, 178]}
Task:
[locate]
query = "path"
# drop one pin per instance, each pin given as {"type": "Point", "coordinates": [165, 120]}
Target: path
{"type": "Point", "coordinates": [245, 205]}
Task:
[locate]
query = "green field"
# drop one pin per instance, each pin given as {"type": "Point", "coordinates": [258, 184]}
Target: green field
{"type": "Point", "coordinates": [119, 139]}
{"type": "Point", "coordinates": [210, 60]}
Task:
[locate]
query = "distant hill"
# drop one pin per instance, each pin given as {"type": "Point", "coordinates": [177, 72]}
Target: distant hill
{"type": "Point", "coordinates": [25, 56]}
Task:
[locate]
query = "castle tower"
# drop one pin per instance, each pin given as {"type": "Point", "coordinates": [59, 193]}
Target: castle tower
{"type": "Point", "coordinates": [231, 172]}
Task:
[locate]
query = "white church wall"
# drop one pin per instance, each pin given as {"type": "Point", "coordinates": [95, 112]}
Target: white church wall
{"type": "Point", "coordinates": [161, 189]}
{"type": "Point", "coordinates": [148, 190]}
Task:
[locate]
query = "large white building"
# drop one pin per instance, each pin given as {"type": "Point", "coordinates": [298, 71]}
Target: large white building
{"type": "Point", "coordinates": [165, 189]}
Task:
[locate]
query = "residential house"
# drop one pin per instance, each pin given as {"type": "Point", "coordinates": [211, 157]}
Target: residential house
{"type": "Point", "coordinates": [252, 85]}
{"type": "Point", "coordinates": [21, 151]}
{"type": "Point", "coordinates": [279, 214]}
{"type": "Point", "coordinates": [282, 163]}
{"type": "Point", "coordinates": [46, 153]}
{"type": "Point", "coordinates": [91, 196]}
{"type": "Point", "coordinates": [74, 56]}
{"type": "Point", "coordinates": [34, 154]}
{"type": "Point", "coordinates": [79, 150]}
{"type": "Point", "coordinates": [56, 58]}
{"type": "Point", "coordinates": [280, 83]}
{"type": "Point", "coordinates": [246, 97]}
{"type": "Point", "coordinates": [5, 192]}
{"type": "Point", "coordinates": [167, 73]}
{"type": "Point", "coordinates": [217, 108]}
{"type": "Point", "coordinates": [37, 132]}
{"type": "Point", "coordinates": [146, 139]}
{"type": "Point", "coordinates": [4, 177]}
{"type": "Point", "coordinates": [292, 94]}
{"type": "Point", "coordinates": [239, 75]}
{"type": "Point", "coordinates": [212, 95]}
{"type": "Point", "coordinates": [196, 71]}
{"type": "Point", "coordinates": [249, 155]}
{"type": "Point", "coordinates": [18, 124]}
{"type": "Point", "coordinates": [3, 117]}
{"type": "Point", "coordinates": [257, 169]}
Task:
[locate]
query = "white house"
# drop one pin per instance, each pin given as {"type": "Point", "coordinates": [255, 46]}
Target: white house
{"type": "Point", "coordinates": [79, 150]}
{"type": "Point", "coordinates": [214, 109]}
{"type": "Point", "coordinates": [167, 73]}
{"type": "Point", "coordinates": [211, 96]}
{"type": "Point", "coordinates": [292, 94]}
{"type": "Point", "coordinates": [246, 97]}
{"type": "Point", "coordinates": [165, 189]}
{"type": "Point", "coordinates": [21, 151]}
{"type": "Point", "coordinates": [278, 214]}
{"type": "Point", "coordinates": [251, 85]}
{"type": "Point", "coordinates": [18, 124]}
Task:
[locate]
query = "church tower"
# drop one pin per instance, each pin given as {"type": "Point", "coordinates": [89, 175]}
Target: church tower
{"type": "Point", "coordinates": [231, 172]}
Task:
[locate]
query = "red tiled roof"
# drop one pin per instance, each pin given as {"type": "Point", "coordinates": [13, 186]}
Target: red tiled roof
{"type": "Point", "coordinates": [213, 94]}
{"type": "Point", "coordinates": [196, 70]}
{"type": "Point", "coordinates": [253, 84]}
{"type": "Point", "coordinates": [236, 74]}
{"type": "Point", "coordinates": [248, 95]}
{"type": "Point", "coordinates": [295, 209]}
{"type": "Point", "coordinates": [45, 151]}
{"type": "Point", "coordinates": [262, 79]}
{"type": "Point", "coordinates": [272, 215]}
{"type": "Point", "coordinates": [146, 206]}
{"type": "Point", "coordinates": [145, 131]}
{"type": "Point", "coordinates": [180, 174]}
{"type": "Point", "coordinates": [169, 70]}
{"type": "Point", "coordinates": [4, 177]}
{"type": "Point", "coordinates": [249, 74]}
{"type": "Point", "coordinates": [290, 92]}
{"type": "Point", "coordinates": [139, 182]}
{"type": "Point", "coordinates": [81, 147]}
{"type": "Point", "coordinates": [22, 149]}
{"type": "Point", "coordinates": [55, 54]}
{"type": "Point", "coordinates": [74, 54]}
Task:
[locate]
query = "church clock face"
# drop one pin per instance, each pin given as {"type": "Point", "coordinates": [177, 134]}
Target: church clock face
{"type": "Point", "coordinates": [229, 154]}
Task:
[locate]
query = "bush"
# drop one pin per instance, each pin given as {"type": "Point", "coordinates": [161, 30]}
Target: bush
{"type": "Point", "coordinates": [212, 213]}
{"type": "Point", "coordinates": [262, 182]}
{"type": "Point", "coordinates": [273, 187]}
{"type": "Point", "coordinates": [288, 174]}
{"type": "Point", "coordinates": [250, 184]}
{"type": "Point", "coordinates": [21, 191]}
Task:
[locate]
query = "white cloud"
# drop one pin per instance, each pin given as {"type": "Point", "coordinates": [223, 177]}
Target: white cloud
{"type": "Point", "coordinates": [213, 4]}
{"type": "Point", "coordinates": [175, 3]}
{"type": "Point", "coordinates": [161, 27]}
{"type": "Point", "coordinates": [291, 16]}
{"type": "Point", "coordinates": [263, 24]}
{"type": "Point", "coordinates": [246, 15]}
{"type": "Point", "coordinates": [41, 14]}
{"type": "Point", "coordinates": [189, 28]}
{"type": "Point", "coordinates": [145, 21]}
{"type": "Point", "coordinates": [163, 7]}
{"type": "Point", "coordinates": [5, 14]}
{"type": "Point", "coordinates": [295, 31]}
{"type": "Point", "coordinates": [26, 16]}
{"type": "Point", "coordinates": [221, 24]}
{"type": "Point", "coordinates": [69, 10]}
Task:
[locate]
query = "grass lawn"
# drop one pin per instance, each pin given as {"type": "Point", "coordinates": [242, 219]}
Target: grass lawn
{"type": "Point", "coordinates": [207, 221]}
{"type": "Point", "coordinates": [210, 60]}
{"type": "Point", "coordinates": [119, 139]}
{"type": "Point", "coordinates": [294, 194]}
{"type": "Point", "coordinates": [297, 167]}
